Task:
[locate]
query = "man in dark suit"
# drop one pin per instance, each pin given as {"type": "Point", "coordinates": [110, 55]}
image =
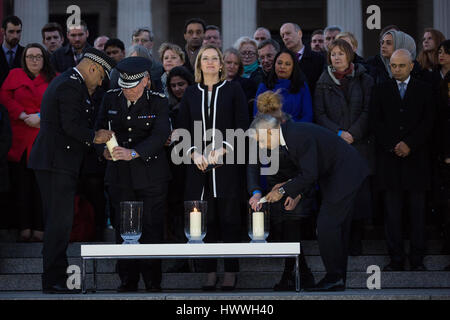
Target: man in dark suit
{"type": "Point", "coordinates": [140, 119]}
{"type": "Point", "coordinates": [337, 167]}
{"type": "Point", "coordinates": [311, 63]}
{"type": "Point", "coordinates": [71, 54]}
{"type": "Point", "coordinates": [402, 119]}
{"type": "Point", "coordinates": [11, 53]}
{"type": "Point", "coordinates": [58, 153]}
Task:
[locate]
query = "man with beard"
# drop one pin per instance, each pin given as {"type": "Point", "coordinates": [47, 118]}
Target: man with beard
{"type": "Point", "coordinates": [11, 52]}
{"type": "Point", "coordinates": [194, 32]}
{"type": "Point", "coordinates": [70, 55]}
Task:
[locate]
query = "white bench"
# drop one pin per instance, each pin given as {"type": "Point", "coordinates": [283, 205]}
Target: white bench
{"type": "Point", "coordinates": [189, 251]}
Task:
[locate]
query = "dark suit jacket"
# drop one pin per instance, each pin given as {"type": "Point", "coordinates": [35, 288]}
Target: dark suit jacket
{"type": "Point", "coordinates": [4, 67]}
{"type": "Point", "coordinates": [322, 158]}
{"type": "Point", "coordinates": [62, 59]}
{"type": "Point", "coordinates": [409, 120]}
{"type": "Point", "coordinates": [312, 64]}
{"type": "Point", "coordinates": [5, 145]}
{"type": "Point", "coordinates": [67, 122]}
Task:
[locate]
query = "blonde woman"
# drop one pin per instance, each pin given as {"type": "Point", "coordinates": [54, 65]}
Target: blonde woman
{"type": "Point", "coordinates": [171, 56]}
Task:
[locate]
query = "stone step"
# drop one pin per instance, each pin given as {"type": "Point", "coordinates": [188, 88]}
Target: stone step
{"type": "Point", "coordinates": [246, 280]}
{"type": "Point", "coordinates": [310, 247]}
{"type": "Point", "coordinates": [34, 265]}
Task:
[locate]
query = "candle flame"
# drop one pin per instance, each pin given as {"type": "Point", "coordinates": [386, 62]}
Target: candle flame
{"type": "Point", "coordinates": [195, 210]}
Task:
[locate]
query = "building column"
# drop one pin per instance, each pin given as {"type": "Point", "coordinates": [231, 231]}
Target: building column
{"type": "Point", "coordinates": [348, 15]}
{"type": "Point", "coordinates": [160, 14]}
{"type": "Point", "coordinates": [132, 14]}
{"type": "Point", "coordinates": [238, 19]}
{"type": "Point", "coordinates": [34, 15]}
{"type": "Point", "coordinates": [441, 22]}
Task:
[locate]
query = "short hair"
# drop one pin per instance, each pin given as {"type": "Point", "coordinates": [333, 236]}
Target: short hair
{"type": "Point", "coordinates": [344, 46]}
{"type": "Point", "coordinates": [332, 29]}
{"type": "Point", "coordinates": [405, 52]}
{"type": "Point", "coordinates": [316, 32]}
{"type": "Point", "coordinates": [140, 50]}
{"type": "Point", "coordinates": [82, 23]}
{"type": "Point", "coordinates": [114, 42]}
{"type": "Point", "coordinates": [212, 27]}
{"type": "Point", "coordinates": [138, 31]}
{"type": "Point", "coordinates": [170, 46]}
{"type": "Point", "coordinates": [349, 35]}
{"type": "Point", "coordinates": [445, 45]}
{"type": "Point", "coordinates": [296, 26]}
{"type": "Point", "coordinates": [271, 42]}
{"type": "Point", "coordinates": [238, 55]}
{"type": "Point", "coordinates": [197, 69]}
{"type": "Point", "coordinates": [11, 19]}
{"type": "Point", "coordinates": [243, 40]}
{"type": "Point", "coordinates": [265, 30]}
{"type": "Point", "coordinates": [47, 68]}
{"type": "Point", "coordinates": [50, 27]}
{"type": "Point", "coordinates": [181, 72]}
{"type": "Point", "coordinates": [194, 20]}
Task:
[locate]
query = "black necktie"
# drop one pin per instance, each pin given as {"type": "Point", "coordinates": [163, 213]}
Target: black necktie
{"type": "Point", "coordinates": [10, 58]}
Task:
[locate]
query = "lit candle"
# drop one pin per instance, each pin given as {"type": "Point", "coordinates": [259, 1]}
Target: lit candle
{"type": "Point", "coordinates": [111, 144]}
{"type": "Point", "coordinates": [195, 223]}
{"type": "Point", "coordinates": [258, 224]}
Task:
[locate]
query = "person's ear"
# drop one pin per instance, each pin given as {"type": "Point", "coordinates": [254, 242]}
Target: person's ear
{"type": "Point", "coordinates": [87, 33]}
{"type": "Point", "coordinates": [300, 34]}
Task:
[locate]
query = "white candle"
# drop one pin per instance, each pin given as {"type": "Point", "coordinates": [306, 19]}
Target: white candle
{"type": "Point", "coordinates": [195, 223]}
{"type": "Point", "coordinates": [258, 224]}
{"type": "Point", "coordinates": [111, 144]}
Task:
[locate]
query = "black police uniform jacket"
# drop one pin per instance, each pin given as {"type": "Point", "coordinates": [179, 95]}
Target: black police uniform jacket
{"type": "Point", "coordinates": [67, 126]}
{"type": "Point", "coordinates": [5, 145]}
{"type": "Point", "coordinates": [143, 127]}
{"type": "Point", "coordinates": [228, 110]}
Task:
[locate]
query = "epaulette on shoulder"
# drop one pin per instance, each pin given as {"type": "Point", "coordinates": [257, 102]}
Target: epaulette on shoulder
{"type": "Point", "coordinates": [114, 90]}
{"type": "Point", "coordinates": [162, 95]}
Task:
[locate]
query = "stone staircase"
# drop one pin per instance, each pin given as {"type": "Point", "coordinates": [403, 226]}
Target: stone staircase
{"type": "Point", "coordinates": [21, 267]}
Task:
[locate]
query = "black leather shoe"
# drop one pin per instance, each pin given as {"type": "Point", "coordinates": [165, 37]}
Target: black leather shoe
{"type": "Point", "coordinates": [394, 266]}
{"type": "Point", "coordinates": [153, 288]}
{"type": "Point", "coordinates": [418, 267]}
{"type": "Point", "coordinates": [59, 289]}
{"type": "Point", "coordinates": [127, 287]}
{"type": "Point", "coordinates": [326, 285]}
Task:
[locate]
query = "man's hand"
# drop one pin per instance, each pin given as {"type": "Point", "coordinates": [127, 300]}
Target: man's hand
{"type": "Point", "coordinates": [23, 116]}
{"type": "Point", "coordinates": [290, 204]}
{"type": "Point", "coordinates": [121, 153]}
{"type": "Point", "coordinates": [216, 155]}
{"type": "Point", "coordinates": [278, 186]}
{"type": "Point", "coordinates": [402, 150]}
{"type": "Point", "coordinates": [107, 155]}
{"type": "Point", "coordinates": [103, 136]}
{"type": "Point", "coordinates": [347, 137]}
{"type": "Point", "coordinates": [273, 196]}
{"type": "Point", "coordinates": [33, 120]}
{"type": "Point", "coordinates": [199, 160]}
{"type": "Point", "coordinates": [253, 202]}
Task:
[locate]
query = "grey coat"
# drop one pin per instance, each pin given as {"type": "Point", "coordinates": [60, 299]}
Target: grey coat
{"type": "Point", "coordinates": [335, 111]}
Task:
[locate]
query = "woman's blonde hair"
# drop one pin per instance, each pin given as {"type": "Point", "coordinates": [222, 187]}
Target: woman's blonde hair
{"type": "Point", "coordinates": [198, 70]}
{"type": "Point", "coordinates": [349, 35]}
{"type": "Point", "coordinates": [170, 46]}
{"type": "Point", "coordinates": [270, 103]}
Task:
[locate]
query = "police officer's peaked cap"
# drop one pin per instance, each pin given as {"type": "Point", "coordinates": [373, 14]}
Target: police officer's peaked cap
{"type": "Point", "coordinates": [132, 70]}
{"type": "Point", "coordinates": [101, 58]}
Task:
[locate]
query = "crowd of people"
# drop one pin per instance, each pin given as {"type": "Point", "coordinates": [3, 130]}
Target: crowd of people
{"type": "Point", "coordinates": [60, 104]}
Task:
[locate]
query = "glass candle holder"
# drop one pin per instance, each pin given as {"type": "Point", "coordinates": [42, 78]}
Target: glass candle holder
{"type": "Point", "coordinates": [258, 224]}
{"type": "Point", "coordinates": [131, 221]}
{"type": "Point", "coordinates": [195, 220]}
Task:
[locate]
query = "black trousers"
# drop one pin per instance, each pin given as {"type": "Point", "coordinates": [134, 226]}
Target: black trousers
{"type": "Point", "coordinates": [26, 197]}
{"type": "Point", "coordinates": [154, 198]}
{"type": "Point", "coordinates": [58, 194]}
{"type": "Point", "coordinates": [333, 234]}
{"type": "Point", "coordinates": [93, 188]}
{"type": "Point", "coordinates": [394, 203]}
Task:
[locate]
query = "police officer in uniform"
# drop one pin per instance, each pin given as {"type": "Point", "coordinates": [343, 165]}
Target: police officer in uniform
{"type": "Point", "coordinates": [140, 121]}
{"type": "Point", "coordinates": [57, 155]}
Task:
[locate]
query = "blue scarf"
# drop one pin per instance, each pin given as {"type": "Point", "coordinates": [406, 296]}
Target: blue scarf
{"type": "Point", "coordinates": [249, 69]}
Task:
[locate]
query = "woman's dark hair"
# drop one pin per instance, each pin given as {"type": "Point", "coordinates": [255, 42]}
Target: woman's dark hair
{"type": "Point", "coordinates": [297, 77]}
{"type": "Point", "coordinates": [47, 69]}
{"type": "Point", "coordinates": [445, 45]}
{"type": "Point", "coordinates": [181, 72]}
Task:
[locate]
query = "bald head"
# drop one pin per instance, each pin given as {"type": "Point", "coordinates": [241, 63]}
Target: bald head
{"type": "Point", "coordinates": [401, 64]}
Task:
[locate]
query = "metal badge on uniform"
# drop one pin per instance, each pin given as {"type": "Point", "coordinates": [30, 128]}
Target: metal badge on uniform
{"type": "Point", "coordinates": [87, 100]}
{"type": "Point", "coordinates": [112, 112]}
{"type": "Point", "coordinates": [152, 116]}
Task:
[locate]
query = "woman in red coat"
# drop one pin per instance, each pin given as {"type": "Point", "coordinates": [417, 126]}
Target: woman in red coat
{"type": "Point", "coordinates": [21, 94]}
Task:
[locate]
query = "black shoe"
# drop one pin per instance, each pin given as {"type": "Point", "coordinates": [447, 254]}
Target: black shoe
{"type": "Point", "coordinates": [327, 285]}
{"type": "Point", "coordinates": [418, 267]}
{"type": "Point", "coordinates": [394, 266]}
{"type": "Point", "coordinates": [127, 287]}
{"type": "Point", "coordinates": [153, 288]}
{"type": "Point", "coordinates": [59, 289]}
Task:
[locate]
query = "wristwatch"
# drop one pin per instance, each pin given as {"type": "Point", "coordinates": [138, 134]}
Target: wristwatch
{"type": "Point", "coordinates": [133, 154]}
{"type": "Point", "coordinates": [281, 191]}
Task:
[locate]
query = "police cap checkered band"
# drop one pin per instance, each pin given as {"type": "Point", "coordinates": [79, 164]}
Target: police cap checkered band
{"type": "Point", "coordinates": [101, 58]}
{"type": "Point", "coordinates": [132, 70]}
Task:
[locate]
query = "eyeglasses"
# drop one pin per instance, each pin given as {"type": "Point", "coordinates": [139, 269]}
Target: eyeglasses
{"type": "Point", "coordinates": [39, 57]}
{"type": "Point", "coordinates": [248, 53]}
